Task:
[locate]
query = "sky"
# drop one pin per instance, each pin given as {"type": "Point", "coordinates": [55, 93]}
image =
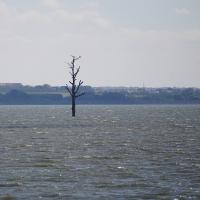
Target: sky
{"type": "Point", "coordinates": [155, 43]}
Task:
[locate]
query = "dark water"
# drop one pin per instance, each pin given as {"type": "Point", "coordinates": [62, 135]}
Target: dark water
{"type": "Point", "coordinates": [107, 152]}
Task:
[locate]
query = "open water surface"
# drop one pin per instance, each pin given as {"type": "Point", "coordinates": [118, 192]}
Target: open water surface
{"type": "Point", "coordinates": [106, 152]}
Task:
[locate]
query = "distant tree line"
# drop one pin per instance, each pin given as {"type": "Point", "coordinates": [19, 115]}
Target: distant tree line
{"type": "Point", "coordinates": [47, 95]}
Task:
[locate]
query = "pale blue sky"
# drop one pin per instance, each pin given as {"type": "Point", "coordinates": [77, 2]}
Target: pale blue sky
{"type": "Point", "coordinates": [123, 42]}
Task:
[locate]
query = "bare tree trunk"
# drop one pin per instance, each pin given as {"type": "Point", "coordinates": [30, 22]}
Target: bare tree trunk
{"type": "Point", "coordinates": [73, 106]}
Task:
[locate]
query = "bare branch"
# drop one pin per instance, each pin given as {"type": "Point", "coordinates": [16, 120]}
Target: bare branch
{"type": "Point", "coordinates": [77, 71]}
{"type": "Point", "coordinates": [70, 82]}
{"type": "Point", "coordinates": [79, 84]}
{"type": "Point", "coordinates": [71, 73]}
{"type": "Point", "coordinates": [67, 87]}
{"type": "Point", "coordinates": [70, 65]}
{"type": "Point", "coordinates": [75, 58]}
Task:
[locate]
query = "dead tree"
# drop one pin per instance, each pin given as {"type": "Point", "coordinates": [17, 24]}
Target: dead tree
{"type": "Point", "coordinates": [73, 90]}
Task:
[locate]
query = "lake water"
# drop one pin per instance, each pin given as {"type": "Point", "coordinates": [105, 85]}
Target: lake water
{"type": "Point", "coordinates": [106, 152]}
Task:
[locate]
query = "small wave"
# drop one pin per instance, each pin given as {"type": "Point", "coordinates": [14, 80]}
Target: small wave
{"type": "Point", "coordinates": [44, 164]}
{"type": "Point", "coordinates": [17, 184]}
{"type": "Point", "coordinates": [53, 195]}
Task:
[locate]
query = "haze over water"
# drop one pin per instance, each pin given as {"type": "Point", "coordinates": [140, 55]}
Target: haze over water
{"type": "Point", "coordinates": [106, 152]}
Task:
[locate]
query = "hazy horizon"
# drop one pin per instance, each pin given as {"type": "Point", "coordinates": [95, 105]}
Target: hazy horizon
{"type": "Point", "coordinates": [129, 43]}
{"type": "Point", "coordinates": [96, 86]}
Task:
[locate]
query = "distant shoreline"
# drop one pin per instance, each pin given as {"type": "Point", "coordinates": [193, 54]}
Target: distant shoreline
{"type": "Point", "coordinates": [19, 94]}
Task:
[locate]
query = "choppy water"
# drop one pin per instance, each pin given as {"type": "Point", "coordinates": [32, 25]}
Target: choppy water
{"type": "Point", "coordinates": [106, 152]}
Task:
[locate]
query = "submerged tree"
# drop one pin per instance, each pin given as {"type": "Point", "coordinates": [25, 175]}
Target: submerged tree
{"type": "Point", "coordinates": [74, 88]}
